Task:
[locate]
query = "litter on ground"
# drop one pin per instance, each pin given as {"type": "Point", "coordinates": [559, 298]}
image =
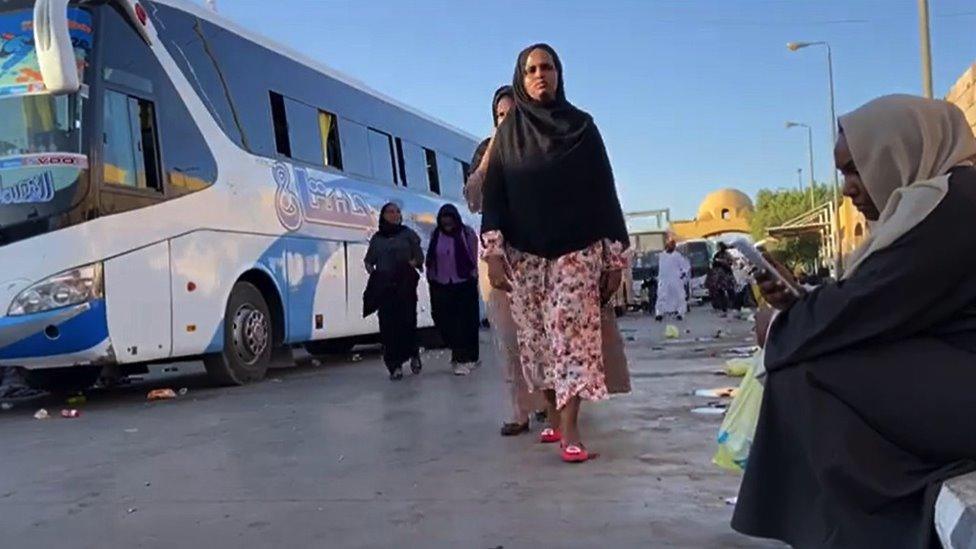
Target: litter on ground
{"type": "Point", "coordinates": [721, 392]}
{"type": "Point", "coordinates": [161, 394]}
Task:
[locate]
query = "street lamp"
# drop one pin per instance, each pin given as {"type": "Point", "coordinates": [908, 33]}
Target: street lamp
{"type": "Point", "coordinates": [926, 46]}
{"type": "Point", "coordinates": [794, 46]}
{"type": "Point", "coordinates": [809, 153]}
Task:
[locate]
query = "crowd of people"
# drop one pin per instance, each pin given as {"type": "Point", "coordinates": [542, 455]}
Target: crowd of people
{"type": "Point", "coordinates": [865, 404]}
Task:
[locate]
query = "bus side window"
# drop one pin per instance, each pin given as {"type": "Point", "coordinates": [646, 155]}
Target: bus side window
{"type": "Point", "coordinates": [129, 136]}
{"type": "Point", "coordinates": [431, 163]}
{"type": "Point", "coordinates": [298, 131]}
{"type": "Point", "coordinates": [401, 165]}
{"type": "Point", "coordinates": [381, 157]}
{"type": "Point", "coordinates": [332, 147]}
{"type": "Point", "coordinates": [355, 148]}
{"type": "Point", "coordinates": [450, 176]}
{"type": "Point", "coordinates": [415, 168]}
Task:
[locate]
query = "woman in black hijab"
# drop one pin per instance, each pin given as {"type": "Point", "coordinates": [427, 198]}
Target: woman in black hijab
{"type": "Point", "coordinates": [501, 104]}
{"type": "Point", "coordinates": [452, 272]}
{"type": "Point", "coordinates": [554, 235]}
{"type": "Point", "coordinates": [392, 260]}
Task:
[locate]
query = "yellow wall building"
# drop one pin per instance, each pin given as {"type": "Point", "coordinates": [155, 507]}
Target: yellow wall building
{"type": "Point", "coordinates": [723, 211]}
{"type": "Point", "coordinates": [963, 93]}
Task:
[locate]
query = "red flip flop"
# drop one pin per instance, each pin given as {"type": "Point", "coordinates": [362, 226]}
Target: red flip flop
{"type": "Point", "coordinates": [550, 436]}
{"type": "Point", "coordinates": [575, 453]}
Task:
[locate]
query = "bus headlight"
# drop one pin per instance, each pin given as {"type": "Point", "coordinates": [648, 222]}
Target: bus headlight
{"type": "Point", "coordinates": [61, 290]}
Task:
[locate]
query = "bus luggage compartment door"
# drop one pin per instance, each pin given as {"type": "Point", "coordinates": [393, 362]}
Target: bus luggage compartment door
{"type": "Point", "coordinates": [139, 304]}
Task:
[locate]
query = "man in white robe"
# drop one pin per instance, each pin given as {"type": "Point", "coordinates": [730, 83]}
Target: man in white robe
{"type": "Point", "coordinates": [673, 272]}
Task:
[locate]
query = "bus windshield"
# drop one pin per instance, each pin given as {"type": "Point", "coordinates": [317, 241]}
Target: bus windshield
{"type": "Point", "coordinates": [41, 156]}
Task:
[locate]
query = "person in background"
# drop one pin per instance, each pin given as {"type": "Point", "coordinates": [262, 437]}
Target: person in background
{"type": "Point", "coordinates": [452, 273]}
{"type": "Point", "coordinates": [823, 274]}
{"type": "Point", "coordinates": [392, 261]}
{"type": "Point", "coordinates": [522, 402]}
{"type": "Point", "coordinates": [673, 272]}
{"type": "Point", "coordinates": [868, 399]}
{"type": "Point", "coordinates": [721, 280]}
{"type": "Point", "coordinates": [743, 293]}
{"type": "Point", "coordinates": [554, 236]}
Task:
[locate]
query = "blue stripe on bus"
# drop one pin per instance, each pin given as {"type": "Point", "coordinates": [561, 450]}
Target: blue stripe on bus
{"type": "Point", "coordinates": [311, 256]}
{"type": "Point", "coordinates": [76, 334]}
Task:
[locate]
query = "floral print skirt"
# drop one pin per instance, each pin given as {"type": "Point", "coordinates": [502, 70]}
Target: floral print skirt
{"type": "Point", "coordinates": [556, 306]}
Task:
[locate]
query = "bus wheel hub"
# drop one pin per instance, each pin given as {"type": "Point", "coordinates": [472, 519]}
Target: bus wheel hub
{"type": "Point", "coordinates": [251, 332]}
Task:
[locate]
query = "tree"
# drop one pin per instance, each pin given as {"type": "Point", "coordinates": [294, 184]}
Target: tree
{"type": "Point", "coordinates": [776, 207]}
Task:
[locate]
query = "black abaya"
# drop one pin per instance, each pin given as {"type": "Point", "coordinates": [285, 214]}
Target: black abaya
{"type": "Point", "coordinates": [398, 330]}
{"type": "Point", "coordinates": [457, 315]}
{"type": "Point", "coordinates": [869, 397]}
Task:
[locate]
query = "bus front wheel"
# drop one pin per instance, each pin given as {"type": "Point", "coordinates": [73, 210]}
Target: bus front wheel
{"type": "Point", "coordinates": [248, 339]}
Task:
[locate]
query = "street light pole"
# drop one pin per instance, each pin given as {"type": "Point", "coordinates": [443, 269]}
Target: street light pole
{"type": "Point", "coordinates": [838, 257]}
{"type": "Point", "coordinates": [813, 181]}
{"type": "Point", "coordinates": [926, 46]}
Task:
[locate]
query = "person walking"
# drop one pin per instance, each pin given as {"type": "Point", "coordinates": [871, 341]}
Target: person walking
{"type": "Point", "coordinates": [452, 273]}
{"type": "Point", "coordinates": [673, 272]}
{"type": "Point", "coordinates": [554, 235]}
{"type": "Point", "coordinates": [522, 403]}
{"type": "Point", "coordinates": [392, 261]}
{"type": "Point", "coordinates": [721, 280]}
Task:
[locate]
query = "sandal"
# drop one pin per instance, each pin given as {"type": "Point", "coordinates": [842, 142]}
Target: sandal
{"type": "Point", "coordinates": [575, 453]}
{"type": "Point", "coordinates": [513, 429]}
{"type": "Point", "coordinates": [550, 435]}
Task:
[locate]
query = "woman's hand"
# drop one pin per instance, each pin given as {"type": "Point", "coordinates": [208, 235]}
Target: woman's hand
{"type": "Point", "coordinates": [773, 291]}
{"type": "Point", "coordinates": [499, 275]}
{"type": "Point", "coordinates": [609, 284]}
{"type": "Point", "coordinates": [764, 317]}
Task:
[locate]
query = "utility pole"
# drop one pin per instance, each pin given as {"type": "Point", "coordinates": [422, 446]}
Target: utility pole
{"type": "Point", "coordinates": [926, 47]}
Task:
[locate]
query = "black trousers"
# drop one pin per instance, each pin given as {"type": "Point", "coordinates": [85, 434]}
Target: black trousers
{"type": "Point", "coordinates": [722, 300]}
{"type": "Point", "coordinates": [457, 313]}
{"type": "Point", "coordinates": [398, 331]}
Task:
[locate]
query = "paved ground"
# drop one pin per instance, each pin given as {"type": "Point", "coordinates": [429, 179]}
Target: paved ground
{"type": "Point", "coordinates": [335, 455]}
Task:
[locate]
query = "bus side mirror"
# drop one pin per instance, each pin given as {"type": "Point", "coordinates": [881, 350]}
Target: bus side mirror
{"type": "Point", "coordinates": [55, 53]}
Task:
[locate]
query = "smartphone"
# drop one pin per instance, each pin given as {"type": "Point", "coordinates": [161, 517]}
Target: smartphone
{"type": "Point", "coordinates": [752, 255]}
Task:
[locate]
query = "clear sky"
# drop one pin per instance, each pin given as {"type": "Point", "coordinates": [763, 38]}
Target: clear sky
{"type": "Point", "coordinates": [691, 95]}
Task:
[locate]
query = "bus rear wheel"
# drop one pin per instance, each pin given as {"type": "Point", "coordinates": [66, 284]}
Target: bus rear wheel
{"type": "Point", "coordinates": [248, 339]}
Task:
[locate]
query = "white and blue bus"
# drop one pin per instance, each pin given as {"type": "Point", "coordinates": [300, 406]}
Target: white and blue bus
{"type": "Point", "coordinates": [198, 191]}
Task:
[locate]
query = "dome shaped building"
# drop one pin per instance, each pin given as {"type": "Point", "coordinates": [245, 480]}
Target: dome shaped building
{"type": "Point", "coordinates": [722, 211]}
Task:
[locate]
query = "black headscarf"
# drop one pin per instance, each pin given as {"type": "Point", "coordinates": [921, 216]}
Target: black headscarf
{"type": "Point", "coordinates": [462, 254]}
{"type": "Point", "coordinates": [549, 187]}
{"type": "Point", "coordinates": [504, 91]}
{"type": "Point", "coordinates": [387, 228]}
